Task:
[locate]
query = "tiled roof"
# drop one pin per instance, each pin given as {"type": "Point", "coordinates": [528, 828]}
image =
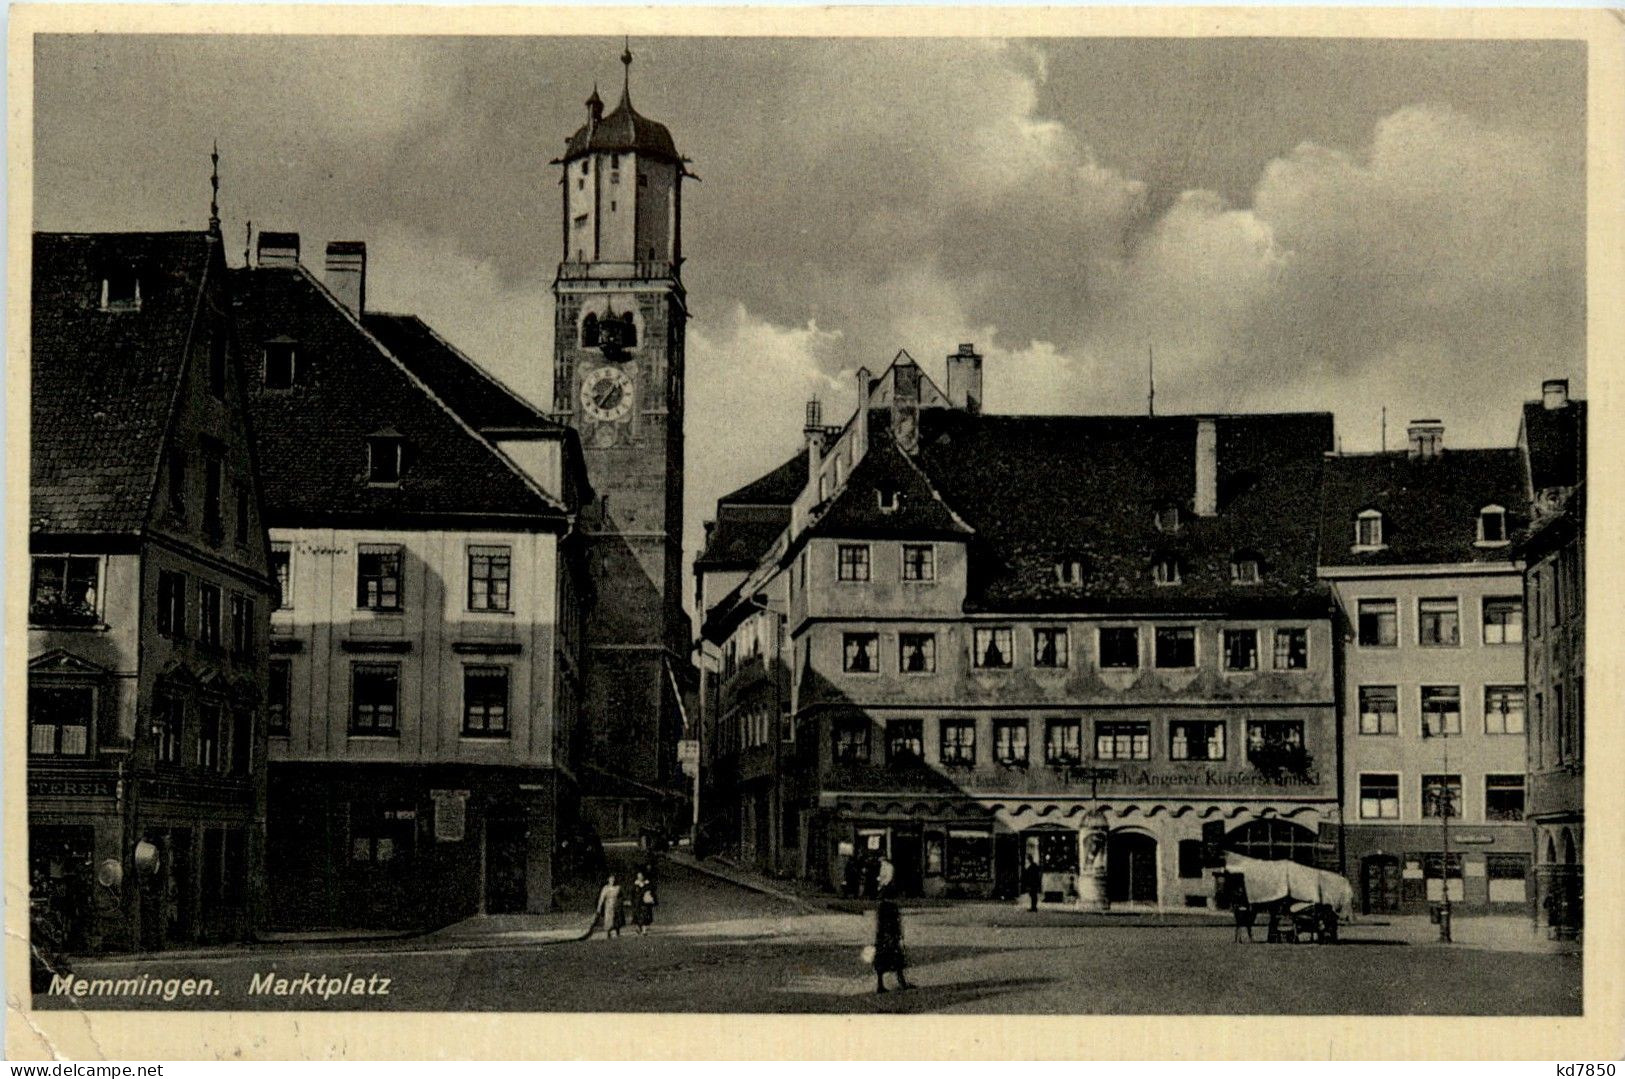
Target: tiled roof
{"type": "Point", "coordinates": [886, 476]}
{"type": "Point", "coordinates": [624, 130]}
{"type": "Point", "coordinates": [475, 394]}
{"type": "Point", "coordinates": [1039, 490]}
{"type": "Point", "coordinates": [1556, 442]}
{"type": "Point", "coordinates": [1429, 507]}
{"type": "Point", "coordinates": [751, 518]}
{"type": "Point", "coordinates": [778, 488]}
{"type": "Point", "coordinates": [104, 382]}
{"type": "Point", "coordinates": [312, 438]}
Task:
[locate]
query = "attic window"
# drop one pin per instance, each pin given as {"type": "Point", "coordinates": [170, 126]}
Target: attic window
{"type": "Point", "coordinates": [1492, 526]}
{"type": "Point", "coordinates": [1167, 570]}
{"type": "Point", "coordinates": [1244, 569]}
{"type": "Point", "coordinates": [121, 291]}
{"type": "Point", "coordinates": [1167, 519]}
{"type": "Point", "coordinates": [1069, 571]}
{"type": "Point", "coordinates": [281, 365]}
{"type": "Point", "coordinates": [887, 499]}
{"type": "Point", "coordinates": [384, 459]}
{"type": "Point", "coordinates": [1368, 530]}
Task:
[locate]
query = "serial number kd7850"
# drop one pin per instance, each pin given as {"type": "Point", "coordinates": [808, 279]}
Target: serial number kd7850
{"type": "Point", "coordinates": [1580, 1071]}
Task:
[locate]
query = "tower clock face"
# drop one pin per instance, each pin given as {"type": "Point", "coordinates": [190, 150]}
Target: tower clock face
{"type": "Point", "coordinates": [606, 394]}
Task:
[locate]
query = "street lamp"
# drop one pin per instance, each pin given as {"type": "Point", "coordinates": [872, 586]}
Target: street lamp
{"type": "Point", "coordinates": [1444, 798]}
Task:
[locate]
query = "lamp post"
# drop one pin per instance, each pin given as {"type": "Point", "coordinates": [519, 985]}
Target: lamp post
{"type": "Point", "coordinates": [1445, 800]}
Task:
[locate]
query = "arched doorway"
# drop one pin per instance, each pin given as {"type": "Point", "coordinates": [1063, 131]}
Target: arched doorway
{"type": "Point", "coordinates": [1568, 848]}
{"type": "Point", "coordinates": [1274, 839]}
{"type": "Point", "coordinates": [1131, 868]}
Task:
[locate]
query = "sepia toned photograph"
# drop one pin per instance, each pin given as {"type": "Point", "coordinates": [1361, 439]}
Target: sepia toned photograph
{"type": "Point", "coordinates": [640, 522]}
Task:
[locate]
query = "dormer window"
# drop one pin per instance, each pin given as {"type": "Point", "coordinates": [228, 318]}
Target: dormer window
{"type": "Point", "coordinates": [1492, 526]}
{"type": "Point", "coordinates": [1167, 519]}
{"type": "Point", "coordinates": [1167, 570]}
{"type": "Point", "coordinates": [1069, 571]}
{"type": "Point", "coordinates": [1244, 569]}
{"type": "Point", "coordinates": [121, 291]}
{"type": "Point", "coordinates": [886, 498]}
{"type": "Point", "coordinates": [1368, 530]}
{"type": "Point", "coordinates": [281, 365]}
{"type": "Point", "coordinates": [384, 459]}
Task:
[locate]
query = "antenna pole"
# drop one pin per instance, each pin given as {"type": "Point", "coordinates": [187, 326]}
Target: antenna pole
{"type": "Point", "coordinates": [1384, 428]}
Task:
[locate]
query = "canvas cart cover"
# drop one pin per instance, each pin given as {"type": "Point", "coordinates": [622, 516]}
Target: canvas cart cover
{"type": "Point", "coordinates": [1268, 881]}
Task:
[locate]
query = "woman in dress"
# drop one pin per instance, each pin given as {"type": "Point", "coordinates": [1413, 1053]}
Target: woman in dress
{"type": "Point", "coordinates": [643, 903]}
{"type": "Point", "coordinates": [888, 945]}
{"type": "Point", "coordinates": [610, 911]}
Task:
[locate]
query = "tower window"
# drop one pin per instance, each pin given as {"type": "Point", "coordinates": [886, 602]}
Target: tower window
{"type": "Point", "coordinates": [589, 331]}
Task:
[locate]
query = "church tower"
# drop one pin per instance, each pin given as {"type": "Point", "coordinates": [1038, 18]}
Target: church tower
{"type": "Point", "coordinates": [619, 316]}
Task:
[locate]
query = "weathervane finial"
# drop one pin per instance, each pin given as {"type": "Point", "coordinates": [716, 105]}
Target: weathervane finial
{"type": "Point", "coordinates": [626, 59]}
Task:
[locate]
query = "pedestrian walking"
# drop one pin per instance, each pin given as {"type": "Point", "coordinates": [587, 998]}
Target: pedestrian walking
{"type": "Point", "coordinates": [610, 910]}
{"type": "Point", "coordinates": [1032, 881]}
{"type": "Point", "coordinates": [889, 945]}
{"type": "Point", "coordinates": [884, 877]}
{"type": "Point", "coordinates": [643, 903]}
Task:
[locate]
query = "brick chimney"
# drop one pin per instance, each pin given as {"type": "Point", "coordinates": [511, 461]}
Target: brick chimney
{"type": "Point", "coordinates": [1554, 393]}
{"type": "Point", "coordinates": [277, 249]}
{"type": "Point", "coordinates": [1206, 503]}
{"type": "Point", "coordinates": [965, 379]}
{"type": "Point", "coordinates": [347, 274]}
{"type": "Point", "coordinates": [1426, 439]}
{"type": "Point", "coordinates": [860, 441]}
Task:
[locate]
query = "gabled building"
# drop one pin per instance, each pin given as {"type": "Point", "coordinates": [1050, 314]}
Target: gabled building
{"type": "Point", "coordinates": [426, 679]}
{"type": "Point", "coordinates": [149, 597]}
{"type": "Point", "coordinates": [1045, 637]}
{"type": "Point", "coordinates": [1553, 440]}
{"type": "Point", "coordinates": [1421, 548]}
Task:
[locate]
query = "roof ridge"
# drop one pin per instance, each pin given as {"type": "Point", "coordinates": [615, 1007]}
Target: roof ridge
{"type": "Point", "coordinates": [474, 365]}
{"type": "Point", "coordinates": [423, 387]}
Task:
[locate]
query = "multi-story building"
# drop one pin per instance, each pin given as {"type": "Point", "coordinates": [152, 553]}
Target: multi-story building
{"type": "Point", "coordinates": [1553, 436]}
{"type": "Point", "coordinates": [1000, 629]}
{"type": "Point", "coordinates": [425, 682]}
{"type": "Point", "coordinates": [620, 313]}
{"type": "Point", "coordinates": [149, 597]}
{"type": "Point", "coordinates": [1420, 547]}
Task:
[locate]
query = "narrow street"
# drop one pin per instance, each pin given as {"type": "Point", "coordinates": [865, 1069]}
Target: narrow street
{"type": "Point", "coordinates": [717, 947]}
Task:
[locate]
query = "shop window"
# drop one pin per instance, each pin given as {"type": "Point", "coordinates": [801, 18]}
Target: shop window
{"type": "Point", "coordinates": [1379, 796]}
{"type": "Point", "coordinates": [852, 562]}
{"type": "Point", "coordinates": [1378, 623]}
{"type": "Point", "coordinates": [279, 699]}
{"type": "Point", "coordinates": [1050, 647]}
{"type": "Point", "coordinates": [1379, 710]}
{"type": "Point", "coordinates": [860, 653]}
{"type": "Point", "coordinates": [1503, 710]}
{"type": "Point", "coordinates": [1438, 623]}
{"type": "Point", "coordinates": [1119, 648]}
{"type": "Point", "coordinates": [970, 854]}
{"type": "Point", "coordinates": [1191, 865]}
{"type": "Point", "coordinates": [1441, 711]}
{"type": "Point", "coordinates": [60, 719]}
{"type": "Point", "coordinates": [1063, 741]}
{"type": "Point", "coordinates": [489, 572]}
{"type": "Point", "coordinates": [934, 854]}
{"type": "Point", "coordinates": [1010, 742]}
{"type": "Point", "coordinates": [1122, 741]}
{"type": "Point", "coordinates": [1241, 650]}
{"type": "Point", "coordinates": [375, 698]}
{"type": "Point", "coordinates": [1176, 647]}
{"type": "Point", "coordinates": [993, 648]}
{"type": "Point", "coordinates": [1292, 649]}
{"type": "Point", "coordinates": [63, 591]}
{"type": "Point", "coordinates": [485, 702]}
{"type": "Point", "coordinates": [919, 562]}
{"type": "Point", "coordinates": [1507, 874]}
{"type": "Point", "coordinates": [1441, 796]}
{"type": "Point", "coordinates": [282, 570]}
{"type": "Point", "coordinates": [378, 576]}
{"type": "Point", "coordinates": [1196, 741]}
{"type": "Point", "coordinates": [381, 834]}
{"type": "Point", "coordinates": [905, 742]}
{"type": "Point", "coordinates": [1437, 869]}
{"type": "Point", "coordinates": [851, 741]}
{"type": "Point", "coordinates": [1275, 840]}
{"type": "Point", "coordinates": [917, 652]}
{"type": "Point", "coordinates": [958, 742]}
{"type": "Point", "coordinates": [1503, 797]}
{"type": "Point", "coordinates": [1503, 620]}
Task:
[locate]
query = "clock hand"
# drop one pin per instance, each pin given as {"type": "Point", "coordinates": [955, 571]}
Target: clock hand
{"type": "Point", "coordinates": [608, 397]}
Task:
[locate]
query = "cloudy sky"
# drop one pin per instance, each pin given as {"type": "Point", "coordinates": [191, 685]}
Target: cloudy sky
{"type": "Point", "coordinates": [1289, 224]}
